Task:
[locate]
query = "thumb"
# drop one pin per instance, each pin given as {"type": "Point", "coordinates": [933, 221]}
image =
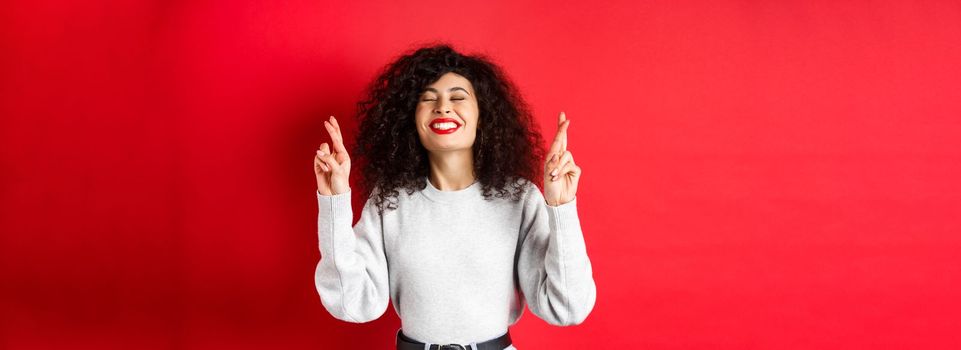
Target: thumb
{"type": "Point", "coordinates": [329, 160]}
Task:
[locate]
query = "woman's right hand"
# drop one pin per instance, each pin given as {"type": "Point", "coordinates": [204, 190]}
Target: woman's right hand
{"type": "Point", "coordinates": [332, 169]}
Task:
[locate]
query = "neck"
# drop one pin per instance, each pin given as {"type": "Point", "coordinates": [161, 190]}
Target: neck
{"type": "Point", "coordinates": [453, 170]}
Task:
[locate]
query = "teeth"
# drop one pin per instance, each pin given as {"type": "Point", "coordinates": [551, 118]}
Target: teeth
{"type": "Point", "coordinates": [444, 125]}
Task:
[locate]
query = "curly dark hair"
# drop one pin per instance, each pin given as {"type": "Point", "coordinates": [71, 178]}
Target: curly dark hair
{"type": "Point", "coordinates": [507, 149]}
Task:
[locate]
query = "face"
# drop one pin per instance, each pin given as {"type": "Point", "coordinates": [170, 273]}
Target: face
{"type": "Point", "coordinates": [447, 114]}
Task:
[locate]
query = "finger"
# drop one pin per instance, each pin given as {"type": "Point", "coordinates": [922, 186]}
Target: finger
{"type": "Point", "coordinates": [560, 139]}
{"type": "Point", "coordinates": [564, 139]}
{"type": "Point", "coordinates": [324, 150]}
{"type": "Point", "coordinates": [549, 165]}
{"type": "Point", "coordinates": [331, 163]}
{"type": "Point", "coordinates": [558, 142]}
{"type": "Point", "coordinates": [555, 146]}
{"type": "Point", "coordinates": [566, 157]}
{"type": "Point", "coordinates": [573, 171]}
{"type": "Point", "coordinates": [562, 130]}
{"type": "Point", "coordinates": [339, 139]}
{"type": "Point", "coordinates": [320, 163]}
{"type": "Point", "coordinates": [554, 162]}
{"type": "Point", "coordinates": [334, 122]}
{"type": "Point", "coordinates": [335, 136]}
{"type": "Point", "coordinates": [567, 169]}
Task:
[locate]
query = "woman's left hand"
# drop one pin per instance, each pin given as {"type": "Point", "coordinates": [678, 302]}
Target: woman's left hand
{"type": "Point", "coordinates": [560, 172]}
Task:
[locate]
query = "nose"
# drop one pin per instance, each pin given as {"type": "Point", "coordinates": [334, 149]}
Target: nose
{"type": "Point", "coordinates": [442, 107]}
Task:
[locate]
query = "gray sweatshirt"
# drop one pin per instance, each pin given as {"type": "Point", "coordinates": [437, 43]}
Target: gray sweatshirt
{"type": "Point", "coordinates": [457, 267]}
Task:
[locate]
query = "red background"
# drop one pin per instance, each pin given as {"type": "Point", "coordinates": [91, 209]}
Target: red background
{"type": "Point", "coordinates": [767, 175]}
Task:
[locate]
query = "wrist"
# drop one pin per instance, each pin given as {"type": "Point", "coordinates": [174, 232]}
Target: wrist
{"type": "Point", "coordinates": [559, 202]}
{"type": "Point", "coordinates": [333, 192]}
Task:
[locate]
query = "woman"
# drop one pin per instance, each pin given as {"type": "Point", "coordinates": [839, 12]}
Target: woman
{"type": "Point", "coordinates": [470, 239]}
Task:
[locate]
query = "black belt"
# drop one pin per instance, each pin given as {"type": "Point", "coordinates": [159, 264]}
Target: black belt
{"type": "Point", "coordinates": [406, 343]}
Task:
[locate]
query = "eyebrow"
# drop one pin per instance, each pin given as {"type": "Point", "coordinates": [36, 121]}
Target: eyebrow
{"type": "Point", "coordinates": [451, 89]}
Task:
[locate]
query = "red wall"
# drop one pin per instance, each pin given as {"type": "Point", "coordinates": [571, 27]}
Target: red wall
{"type": "Point", "coordinates": [766, 175]}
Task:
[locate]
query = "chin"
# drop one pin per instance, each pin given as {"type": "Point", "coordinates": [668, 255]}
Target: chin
{"type": "Point", "coordinates": [448, 147]}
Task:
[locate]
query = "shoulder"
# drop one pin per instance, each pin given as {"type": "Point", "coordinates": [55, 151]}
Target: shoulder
{"type": "Point", "coordinates": [388, 201]}
{"type": "Point", "coordinates": [525, 183]}
{"type": "Point", "coordinates": [531, 194]}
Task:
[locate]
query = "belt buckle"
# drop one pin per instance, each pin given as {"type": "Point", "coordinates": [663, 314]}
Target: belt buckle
{"type": "Point", "coordinates": [451, 347]}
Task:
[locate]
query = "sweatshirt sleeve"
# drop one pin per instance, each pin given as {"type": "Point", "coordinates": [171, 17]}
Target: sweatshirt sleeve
{"type": "Point", "coordinates": [351, 277]}
{"type": "Point", "coordinates": [553, 268]}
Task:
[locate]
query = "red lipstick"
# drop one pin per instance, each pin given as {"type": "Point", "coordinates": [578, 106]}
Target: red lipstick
{"type": "Point", "coordinates": [445, 126]}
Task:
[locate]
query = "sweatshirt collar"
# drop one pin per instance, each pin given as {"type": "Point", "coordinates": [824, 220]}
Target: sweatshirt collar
{"type": "Point", "coordinates": [432, 193]}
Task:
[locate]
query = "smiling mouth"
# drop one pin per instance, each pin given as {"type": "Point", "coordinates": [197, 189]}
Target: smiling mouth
{"type": "Point", "coordinates": [444, 126]}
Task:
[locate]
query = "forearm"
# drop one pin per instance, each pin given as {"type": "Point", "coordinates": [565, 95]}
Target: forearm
{"type": "Point", "coordinates": [351, 276]}
{"type": "Point", "coordinates": [561, 289]}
